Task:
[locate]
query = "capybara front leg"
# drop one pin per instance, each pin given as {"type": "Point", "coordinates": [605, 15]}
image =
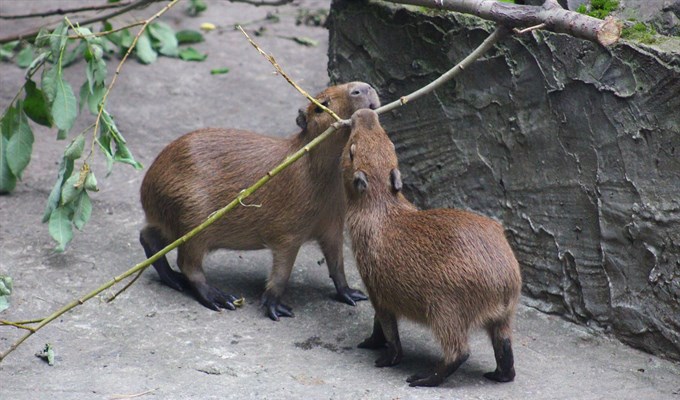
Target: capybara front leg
{"type": "Point", "coordinates": [331, 246]}
{"type": "Point", "coordinates": [282, 266]}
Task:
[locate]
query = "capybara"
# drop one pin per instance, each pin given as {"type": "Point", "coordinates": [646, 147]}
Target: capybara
{"type": "Point", "coordinates": [448, 269]}
{"type": "Point", "coordinates": [204, 170]}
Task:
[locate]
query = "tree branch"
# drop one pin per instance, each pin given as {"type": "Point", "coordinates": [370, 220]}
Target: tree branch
{"type": "Point", "coordinates": [29, 35]}
{"type": "Point", "coordinates": [556, 19]}
{"type": "Point", "coordinates": [258, 3]}
{"type": "Point", "coordinates": [62, 11]}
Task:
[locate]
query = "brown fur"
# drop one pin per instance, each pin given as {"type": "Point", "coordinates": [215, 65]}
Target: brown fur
{"type": "Point", "coordinates": [451, 270]}
{"type": "Point", "coordinates": [204, 170]}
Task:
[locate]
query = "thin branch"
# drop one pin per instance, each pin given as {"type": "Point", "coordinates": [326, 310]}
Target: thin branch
{"type": "Point", "coordinates": [16, 325]}
{"type": "Point", "coordinates": [132, 396]}
{"type": "Point", "coordinates": [112, 298]}
{"type": "Point", "coordinates": [556, 19]}
{"type": "Point", "coordinates": [120, 67]}
{"type": "Point", "coordinates": [258, 3]}
{"type": "Point", "coordinates": [104, 33]}
{"type": "Point", "coordinates": [62, 11]}
{"type": "Point", "coordinates": [33, 33]}
{"type": "Point", "coordinates": [271, 59]}
{"type": "Point", "coordinates": [496, 35]}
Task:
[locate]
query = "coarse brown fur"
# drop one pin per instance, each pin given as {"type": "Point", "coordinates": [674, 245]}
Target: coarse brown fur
{"type": "Point", "coordinates": [449, 269]}
{"type": "Point", "coordinates": [204, 170]}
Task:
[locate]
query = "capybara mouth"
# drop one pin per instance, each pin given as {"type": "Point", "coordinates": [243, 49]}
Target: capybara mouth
{"type": "Point", "coordinates": [373, 106]}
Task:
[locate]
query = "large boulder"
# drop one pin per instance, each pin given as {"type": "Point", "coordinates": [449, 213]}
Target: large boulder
{"type": "Point", "coordinates": [575, 147]}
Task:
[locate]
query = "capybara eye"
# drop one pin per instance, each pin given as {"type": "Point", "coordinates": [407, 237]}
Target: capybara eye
{"type": "Point", "coordinates": [319, 109]}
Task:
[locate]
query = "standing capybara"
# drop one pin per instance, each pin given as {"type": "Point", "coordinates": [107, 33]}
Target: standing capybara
{"type": "Point", "coordinates": [451, 270]}
{"type": "Point", "coordinates": [204, 170]}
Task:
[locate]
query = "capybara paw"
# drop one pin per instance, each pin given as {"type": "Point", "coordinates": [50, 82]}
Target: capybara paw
{"type": "Point", "coordinates": [351, 296]}
{"type": "Point", "coordinates": [388, 359]}
{"type": "Point", "coordinates": [214, 298]}
{"type": "Point", "coordinates": [425, 379]}
{"type": "Point", "coordinates": [372, 342]}
{"type": "Point", "coordinates": [274, 309]}
{"type": "Point", "coordinates": [499, 376]}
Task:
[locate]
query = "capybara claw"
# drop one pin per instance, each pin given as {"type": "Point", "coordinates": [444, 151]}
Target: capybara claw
{"type": "Point", "coordinates": [351, 296]}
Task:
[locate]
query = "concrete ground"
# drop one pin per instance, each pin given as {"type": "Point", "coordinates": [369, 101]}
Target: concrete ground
{"type": "Point", "coordinates": [158, 343]}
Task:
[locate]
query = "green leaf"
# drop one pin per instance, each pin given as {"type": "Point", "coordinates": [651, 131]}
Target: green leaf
{"type": "Point", "coordinates": [123, 155]}
{"type": "Point", "coordinates": [43, 38]}
{"type": "Point", "coordinates": [166, 38]}
{"type": "Point", "coordinates": [218, 71]}
{"type": "Point", "coordinates": [7, 180]}
{"type": "Point", "coordinates": [95, 99]}
{"type": "Point", "coordinates": [48, 84]}
{"type": "Point", "coordinates": [58, 39]}
{"type": "Point", "coordinates": [20, 145]}
{"type": "Point", "coordinates": [70, 191]}
{"type": "Point", "coordinates": [305, 41]}
{"type": "Point", "coordinates": [65, 106]}
{"type": "Point", "coordinates": [191, 54]}
{"type": "Point", "coordinates": [75, 149]}
{"type": "Point", "coordinates": [91, 182]}
{"type": "Point", "coordinates": [47, 354]}
{"type": "Point", "coordinates": [35, 104]}
{"type": "Point", "coordinates": [5, 291]}
{"type": "Point", "coordinates": [7, 50]}
{"type": "Point", "coordinates": [144, 51]}
{"type": "Point", "coordinates": [196, 7]}
{"type": "Point", "coordinates": [60, 228]}
{"type": "Point", "coordinates": [65, 171]}
{"type": "Point", "coordinates": [188, 36]}
{"type": "Point", "coordinates": [25, 56]}
{"type": "Point", "coordinates": [82, 210]}
{"type": "Point", "coordinates": [71, 56]}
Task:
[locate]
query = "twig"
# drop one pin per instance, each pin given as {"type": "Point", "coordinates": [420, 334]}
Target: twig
{"type": "Point", "coordinates": [271, 59]}
{"type": "Point", "coordinates": [33, 33]}
{"type": "Point", "coordinates": [529, 29]}
{"type": "Point", "coordinates": [556, 18]}
{"type": "Point", "coordinates": [112, 298]}
{"type": "Point", "coordinates": [132, 396]}
{"type": "Point", "coordinates": [258, 3]}
{"type": "Point", "coordinates": [16, 325]}
{"type": "Point", "coordinates": [495, 36]}
{"type": "Point", "coordinates": [120, 67]}
{"type": "Point", "coordinates": [104, 33]}
{"type": "Point", "coordinates": [25, 322]}
{"type": "Point", "coordinates": [62, 11]}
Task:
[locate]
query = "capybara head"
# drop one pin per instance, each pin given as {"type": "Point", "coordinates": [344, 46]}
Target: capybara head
{"type": "Point", "coordinates": [344, 100]}
{"type": "Point", "coordinates": [370, 165]}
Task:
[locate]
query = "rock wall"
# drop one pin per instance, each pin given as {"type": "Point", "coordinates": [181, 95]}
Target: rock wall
{"type": "Point", "coordinates": [575, 147]}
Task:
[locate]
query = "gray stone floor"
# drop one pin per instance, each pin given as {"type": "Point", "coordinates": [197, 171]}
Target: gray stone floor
{"type": "Point", "coordinates": [162, 343]}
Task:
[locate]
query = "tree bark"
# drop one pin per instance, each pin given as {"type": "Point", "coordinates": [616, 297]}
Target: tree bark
{"type": "Point", "coordinates": [605, 32]}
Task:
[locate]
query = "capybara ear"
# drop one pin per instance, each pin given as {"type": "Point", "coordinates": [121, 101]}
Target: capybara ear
{"type": "Point", "coordinates": [360, 181]}
{"type": "Point", "coordinates": [395, 179]}
{"type": "Point", "coordinates": [301, 119]}
{"type": "Point", "coordinates": [352, 150]}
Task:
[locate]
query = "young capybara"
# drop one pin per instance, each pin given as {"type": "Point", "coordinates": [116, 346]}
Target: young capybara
{"type": "Point", "coordinates": [451, 270]}
{"type": "Point", "coordinates": [204, 170]}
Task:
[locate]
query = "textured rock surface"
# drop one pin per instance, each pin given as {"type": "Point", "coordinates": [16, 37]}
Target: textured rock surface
{"type": "Point", "coordinates": [575, 147]}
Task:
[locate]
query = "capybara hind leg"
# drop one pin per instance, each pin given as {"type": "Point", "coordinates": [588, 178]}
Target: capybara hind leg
{"type": "Point", "coordinates": [454, 343]}
{"type": "Point", "coordinates": [331, 246]}
{"type": "Point", "coordinates": [377, 339]}
{"type": "Point", "coordinates": [392, 355]}
{"type": "Point", "coordinates": [152, 241]}
{"type": "Point", "coordinates": [441, 372]}
{"type": "Point", "coordinates": [190, 261]}
{"type": "Point", "coordinates": [501, 338]}
{"type": "Point", "coordinates": [282, 266]}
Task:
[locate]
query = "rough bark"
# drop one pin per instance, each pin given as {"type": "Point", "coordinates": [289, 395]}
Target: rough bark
{"type": "Point", "coordinates": [574, 146]}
